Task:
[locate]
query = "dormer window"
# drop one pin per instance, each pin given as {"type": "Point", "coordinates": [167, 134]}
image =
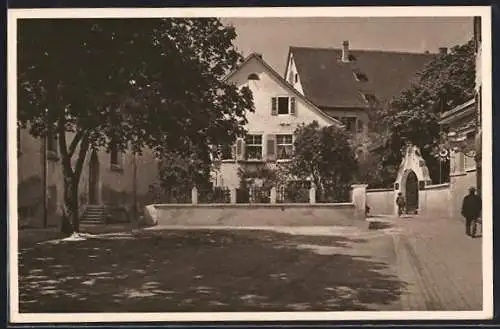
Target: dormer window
{"type": "Point", "coordinates": [369, 98]}
{"type": "Point", "coordinates": [360, 77]}
{"type": "Point", "coordinates": [253, 76]}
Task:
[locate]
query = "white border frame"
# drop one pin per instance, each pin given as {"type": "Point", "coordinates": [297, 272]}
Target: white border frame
{"type": "Point", "coordinates": [487, 247]}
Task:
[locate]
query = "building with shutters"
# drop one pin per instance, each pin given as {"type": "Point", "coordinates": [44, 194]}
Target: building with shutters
{"type": "Point", "coordinates": [279, 110]}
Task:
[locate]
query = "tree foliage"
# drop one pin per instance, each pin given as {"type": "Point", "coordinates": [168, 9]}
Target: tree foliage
{"type": "Point", "coordinates": [412, 117]}
{"type": "Point", "coordinates": [324, 155]}
{"type": "Point", "coordinates": [143, 83]}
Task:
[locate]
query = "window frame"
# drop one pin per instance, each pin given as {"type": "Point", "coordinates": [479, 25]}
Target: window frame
{"type": "Point", "coordinates": [283, 143]}
{"type": "Point", "coordinates": [253, 144]}
{"type": "Point", "coordinates": [288, 98]}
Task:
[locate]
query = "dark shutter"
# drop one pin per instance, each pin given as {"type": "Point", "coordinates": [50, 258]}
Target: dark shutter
{"type": "Point", "coordinates": [271, 147]}
{"type": "Point", "coordinates": [240, 149]}
{"type": "Point", "coordinates": [274, 106]}
{"type": "Point", "coordinates": [292, 106]}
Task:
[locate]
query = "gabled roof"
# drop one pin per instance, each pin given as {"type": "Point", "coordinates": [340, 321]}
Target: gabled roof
{"type": "Point", "coordinates": [329, 82]}
{"type": "Point", "coordinates": [285, 84]}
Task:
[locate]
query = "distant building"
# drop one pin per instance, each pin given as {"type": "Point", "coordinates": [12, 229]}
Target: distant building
{"type": "Point", "coordinates": [348, 84]}
{"type": "Point", "coordinates": [107, 180]}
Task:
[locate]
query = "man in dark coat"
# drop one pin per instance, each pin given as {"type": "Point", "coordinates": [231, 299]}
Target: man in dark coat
{"type": "Point", "coordinates": [471, 210]}
{"type": "Point", "coordinates": [401, 203]}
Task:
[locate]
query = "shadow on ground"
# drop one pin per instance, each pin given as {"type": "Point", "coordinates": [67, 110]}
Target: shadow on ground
{"type": "Point", "coordinates": [203, 271]}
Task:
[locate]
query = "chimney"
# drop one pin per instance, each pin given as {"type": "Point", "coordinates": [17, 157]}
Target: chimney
{"type": "Point", "coordinates": [443, 50]}
{"type": "Point", "coordinates": [345, 51]}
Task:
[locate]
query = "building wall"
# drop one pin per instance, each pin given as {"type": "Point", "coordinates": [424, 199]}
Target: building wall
{"type": "Point", "coordinates": [116, 187]}
{"type": "Point", "coordinates": [292, 75]}
{"type": "Point", "coordinates": [460, 184]}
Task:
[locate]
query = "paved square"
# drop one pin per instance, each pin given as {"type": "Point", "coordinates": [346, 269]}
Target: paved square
{"type": "Point", "coordinates": [406, 264]}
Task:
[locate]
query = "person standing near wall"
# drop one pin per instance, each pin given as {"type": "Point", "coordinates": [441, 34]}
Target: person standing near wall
{"type": "Point", "coordinates": [471, 210]}
{"type": "Point", "coordinates": [401, 203]}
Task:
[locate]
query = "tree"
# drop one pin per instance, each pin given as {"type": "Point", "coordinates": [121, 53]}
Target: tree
{"type": "Point", "coordinates": [324, 155]}
{"type": "Point", "coordinates": [146, 83]}
{"type": "Point", "coordinates": [412, 117]}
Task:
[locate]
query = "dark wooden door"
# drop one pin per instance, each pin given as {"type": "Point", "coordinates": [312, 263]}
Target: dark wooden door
{"type": "Point", "coordinates": [411, 193]}
{"type": "Point", "coordinates": [94, 179]}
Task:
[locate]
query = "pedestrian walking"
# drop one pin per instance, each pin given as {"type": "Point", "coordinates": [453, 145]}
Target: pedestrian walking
{"type": "Point", "coordinates": [401, 203]}
{"type": "Point", "coordinates": [471, 210]}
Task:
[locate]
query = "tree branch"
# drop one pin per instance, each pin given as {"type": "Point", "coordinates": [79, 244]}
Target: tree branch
{"type": "Point", "coordinates": [81, 155]}
{"type": "Point", "coordinates": [65, 157]}
{"type": "Point", "coordinates": [74, 143]}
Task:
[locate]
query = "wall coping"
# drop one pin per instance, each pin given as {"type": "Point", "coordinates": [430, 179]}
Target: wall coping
{"type": "Point", "coordinates": [437, 186]}
{"type": "Point", "coordinates": [388, 189]}
{"type": "Point", "coordinates": [253, 205]}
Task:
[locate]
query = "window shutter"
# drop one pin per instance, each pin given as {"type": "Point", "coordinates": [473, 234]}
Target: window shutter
{"type": "Point", "coordinates": [274, 106]}
{"type": "Point", "coordinates": [292, 106]}
{"type": "Point", "coordinates": [271, 147]}
{"type": "Point", "coordinates": [240, 149]}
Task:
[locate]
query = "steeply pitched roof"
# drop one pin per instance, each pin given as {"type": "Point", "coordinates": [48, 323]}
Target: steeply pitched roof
{"type": "Point", "coordinates": [329, 82]}
{"type": "Point", "coordinates": [284, 83]}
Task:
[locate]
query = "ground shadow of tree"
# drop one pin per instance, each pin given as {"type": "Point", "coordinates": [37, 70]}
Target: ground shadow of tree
{"type": "Point", "coordinates": [203, 271]}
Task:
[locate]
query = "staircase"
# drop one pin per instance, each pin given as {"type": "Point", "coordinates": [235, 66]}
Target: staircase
{"type": "Point", "coordinates": [94, 214]}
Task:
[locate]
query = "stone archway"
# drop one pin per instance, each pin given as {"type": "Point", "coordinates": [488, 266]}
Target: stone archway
{"type": "Point", "coordinates": [413, 175]}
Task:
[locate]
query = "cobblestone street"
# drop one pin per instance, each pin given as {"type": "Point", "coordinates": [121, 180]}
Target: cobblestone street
{"type": "Point", "coordinates": [441, 263]}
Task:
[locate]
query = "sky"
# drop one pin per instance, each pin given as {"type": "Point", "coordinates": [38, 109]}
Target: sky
{"type": "Point", "coordinates": [272, 36]}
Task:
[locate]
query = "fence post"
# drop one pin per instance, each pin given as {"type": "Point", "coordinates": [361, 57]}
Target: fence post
{"type": "Point", "coordinates": [232, 195]}
{"type": "Point", "coordinates": [359, 200]}
{"type": "Point", "coordinates": [312, 195]}
{"type": "Point", "coordinates": [273, 194]}
{"type": "Point", "coordinates": [194, 195]}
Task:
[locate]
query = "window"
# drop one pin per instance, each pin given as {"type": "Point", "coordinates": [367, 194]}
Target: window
{"type": "Point", "coordinates": [361, 77]}
{"type": "Point", "coordinates": [283, 105]}
{"type": "Point", "coordinates": [350, 123]}
{"type": "Point", "coordinates": [115, 158]}
{"type": "Point", "coordinates": [370, 98]}
{"type": "Point", "coordinates": [284, 144]}
{"type": "Point", "coordinates": [360, 126]}
{"type": "Point", "coordinates": [253, 76]}
{"type": "Point", "coordinates": [296, 78]}
{"type": "Point", "coordinates": [226, 152]}
{"type": "Point", "coordinates": [253, 147]}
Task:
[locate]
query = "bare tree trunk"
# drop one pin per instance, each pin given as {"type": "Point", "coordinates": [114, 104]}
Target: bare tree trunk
{"type": "Point", "coordinates": [71, 218]}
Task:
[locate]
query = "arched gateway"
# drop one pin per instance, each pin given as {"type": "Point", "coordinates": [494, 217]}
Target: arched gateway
{"type": "Point", "coordinates": [412, 176]}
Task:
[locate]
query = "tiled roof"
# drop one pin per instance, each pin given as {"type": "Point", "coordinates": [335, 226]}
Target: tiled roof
{"type": "Point", "coordinates": [329, 82]}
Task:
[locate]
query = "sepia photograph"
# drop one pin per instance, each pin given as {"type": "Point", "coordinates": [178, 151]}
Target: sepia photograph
{"type": "Point", "coordinates": [257, 163]}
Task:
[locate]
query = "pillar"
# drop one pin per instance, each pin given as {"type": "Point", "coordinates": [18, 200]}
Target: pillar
{"type": "Point", "coordinates": [194, 195]}
{"type": "Point", "coordinates": [273, 194]}
{"type": "Point", "coordinates": [359, 200]}
{"type": "Point", "coordinates": [312, 195]}
{"type": "Point", "coordinates": [232, 195]}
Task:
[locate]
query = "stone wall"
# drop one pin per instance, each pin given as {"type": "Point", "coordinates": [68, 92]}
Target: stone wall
{"type": "Point", "coordinates": [460, 185]}
{"type": "Point", "coordinates": [251, 214]}
{"type": "Point", "coordinates": [435, 201]}
{"type": "Point", "coordinates": [380, 201]}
